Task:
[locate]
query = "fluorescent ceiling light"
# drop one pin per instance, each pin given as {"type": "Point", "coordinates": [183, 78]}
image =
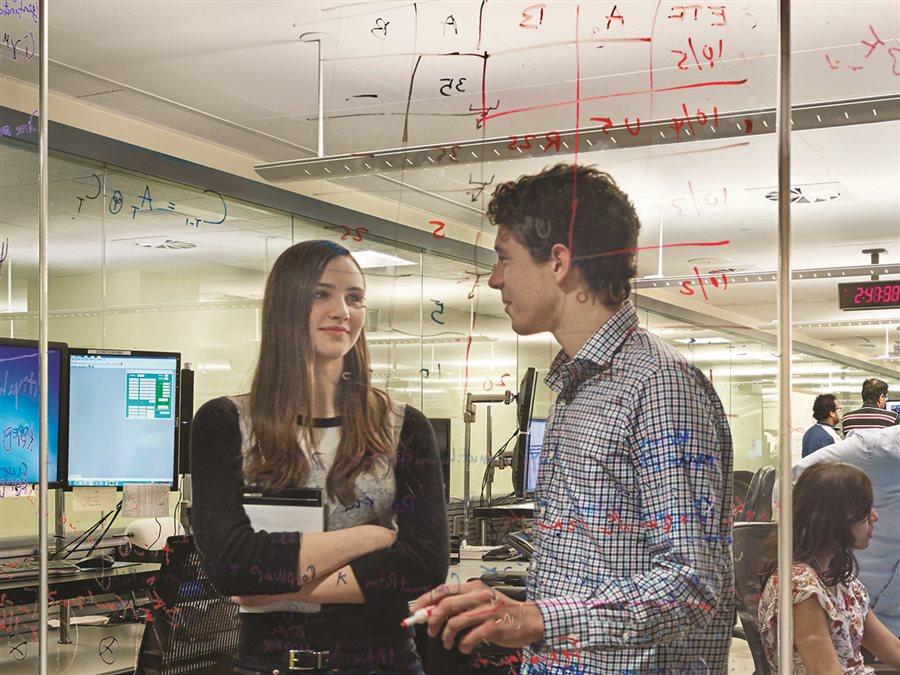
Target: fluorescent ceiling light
{"type": "Point", "coordinates": [368, 259]}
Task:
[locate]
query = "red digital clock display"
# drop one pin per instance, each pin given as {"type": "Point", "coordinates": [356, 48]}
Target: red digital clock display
{"type": "Point", "coordinates": [869, 295]}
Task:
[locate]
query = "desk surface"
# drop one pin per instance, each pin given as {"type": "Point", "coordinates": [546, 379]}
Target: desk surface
{"type": "Point", "coordinates": [109, 580]}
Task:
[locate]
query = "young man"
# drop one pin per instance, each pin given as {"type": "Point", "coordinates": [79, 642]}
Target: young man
{"type": "Point", "coordinates": [632, 570]}
{"type": "Point", "coordinates": [822, 433]}
{"type": "Point", "coordinates": [874, 413]}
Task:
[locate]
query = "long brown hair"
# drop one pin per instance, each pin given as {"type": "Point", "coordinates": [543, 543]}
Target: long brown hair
{"type": "Point", "coordinates": [283, 387]}
{"type": "Point", "coordinates": [828, 499]}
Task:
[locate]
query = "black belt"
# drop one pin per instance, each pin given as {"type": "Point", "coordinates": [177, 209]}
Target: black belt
{"type": "Point", "coordinates": [310, 661]}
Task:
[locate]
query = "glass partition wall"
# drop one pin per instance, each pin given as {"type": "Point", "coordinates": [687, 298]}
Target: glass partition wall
{"type": "Point", "coordinates": [132, 268]}
{"type": "Point", "coordinates": [675, 102]}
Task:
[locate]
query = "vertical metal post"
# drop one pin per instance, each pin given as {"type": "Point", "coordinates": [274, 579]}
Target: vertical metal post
{"type": "Point", "coordinates": [103, 239]}
{"type": "Point", "coordinates": [317, 38]}
{"type": "Point", "coordinates": [64, 609]}
{"type": "Point", "coordinates": [659, 270]}
{"type": "Point", "coordinates": [421, 330]}
{"type": "Point", "coordinates": [785, 517]}
{"type": "Point", "coordinates": [321, 146]}
{"type": "Point", "coordinates": [12, 324]}
{"type": "Point", "coordinates": [43, 223]}
{"type": "Point", "coordinates": [489, 444]}
{"type": "Point", "coordinates": [468, 420]}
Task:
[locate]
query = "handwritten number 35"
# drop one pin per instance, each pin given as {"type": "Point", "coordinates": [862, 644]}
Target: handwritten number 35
{"type": "Point", "coordinates": [447, 88]}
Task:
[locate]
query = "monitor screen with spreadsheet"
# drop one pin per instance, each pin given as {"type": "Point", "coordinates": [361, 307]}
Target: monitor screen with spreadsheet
{"type": "Point", "coordinates": [19, 412]}
{"type": "Point", "coordinates": [123, 409]}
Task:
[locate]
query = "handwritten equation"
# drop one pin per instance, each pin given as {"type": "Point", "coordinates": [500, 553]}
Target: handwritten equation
{"type": "Point", "coordinates": [18, 46]}
{"type": "Point", "coordinates": [20, 437]}
{"type": "Point", "coordinates": [25, 129]}
{"type": "Point", "coordinates": [19, 8]}
{"type": "Point", "coordinates": [144, 205]}
{"type": "Point", "coordinates": [873, 47]}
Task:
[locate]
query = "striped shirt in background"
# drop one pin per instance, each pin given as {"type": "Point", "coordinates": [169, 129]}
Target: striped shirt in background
{"type": "Point", "coordinates": [632, 568]}
{"type": "Point", "coordinates": [868, 417]}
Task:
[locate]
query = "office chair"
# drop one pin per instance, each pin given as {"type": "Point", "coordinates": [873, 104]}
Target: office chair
{"type": "Point", "coordinates": [742, 480]}
{"type": "Point", "coordinates": [191, 628]}
{"type": "Point", "coordinates": [757, 506]}
{"type": "Point", "coordinates": [749, 540]}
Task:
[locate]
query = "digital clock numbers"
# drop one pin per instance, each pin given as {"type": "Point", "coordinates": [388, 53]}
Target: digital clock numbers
{"type": "Point", "coordinates": [869, 295]}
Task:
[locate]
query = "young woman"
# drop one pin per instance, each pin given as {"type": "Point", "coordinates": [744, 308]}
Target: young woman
{"type": "Point", "coordinates": [330, 600]}
{"type": "Point", "coordinates": [833, 515]}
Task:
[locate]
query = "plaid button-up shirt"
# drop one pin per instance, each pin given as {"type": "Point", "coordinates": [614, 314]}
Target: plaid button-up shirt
{"type": "Point", "coordinates": [632, 570]}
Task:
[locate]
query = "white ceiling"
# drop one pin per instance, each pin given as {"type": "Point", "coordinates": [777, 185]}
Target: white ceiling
{"type": "Point", "coordinates": [237, 74]}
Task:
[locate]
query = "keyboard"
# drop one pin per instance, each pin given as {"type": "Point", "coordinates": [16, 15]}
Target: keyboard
{"type": "Point", "coordinates": [32, 568]}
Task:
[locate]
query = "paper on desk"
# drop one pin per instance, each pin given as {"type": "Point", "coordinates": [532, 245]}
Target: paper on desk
{"type": "Point", "coordinates": [94, 498]}
{"type": "Point", "coordinates": [145, 500]}
{"type": "Point", "coordinates": [84, 620]}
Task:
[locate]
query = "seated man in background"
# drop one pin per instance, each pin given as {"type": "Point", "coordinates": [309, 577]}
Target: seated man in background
{"type": "Point", "coordinates": [822, 433]}
{"type": "Point", "coordinates": [877, 453]}
{"type": "Point", "coordinates": [874, 413]}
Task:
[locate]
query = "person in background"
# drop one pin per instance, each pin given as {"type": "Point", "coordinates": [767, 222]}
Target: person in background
{"type": "Point", "coordinates": [320, 601]}
{"type": "Point", "coordinates": [874, 413]}
{"type": "Point", "coordinates": [876, 452]}
{"type": "Point", "coordinates": [833, 515]}
{"type": "Point", "coordinates": [632, 567]}
{"type": "Point", "coordinates": [826, 413]}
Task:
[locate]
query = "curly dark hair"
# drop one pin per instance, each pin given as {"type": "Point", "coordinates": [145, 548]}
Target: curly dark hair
{"type": "Point", "coordinates": [823, 406]}
{"type": "Point", "coordinates": [872, 390]}
{"type": "Point", "coordinates": [538, 210]}
{"type": "Point", "coordinates": [828, 499]}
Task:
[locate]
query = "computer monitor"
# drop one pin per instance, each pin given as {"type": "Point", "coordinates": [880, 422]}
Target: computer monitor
{"type": "Point", "coordinates": [441, 427]}
{"type": "Point", "coordinates": [525, 406]}
{"type": "Point", "coordinates": [123, 417]}
{"type": "Point", "coordinates": [533, 457]}
{"type": "Point", "coordinates": [19, 412]}
{"type": "Point", "coordinates": [893, 405]}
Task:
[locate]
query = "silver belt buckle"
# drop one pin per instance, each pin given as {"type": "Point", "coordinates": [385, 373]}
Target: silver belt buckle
{"type": "Point", "coordinates": [293, 657]}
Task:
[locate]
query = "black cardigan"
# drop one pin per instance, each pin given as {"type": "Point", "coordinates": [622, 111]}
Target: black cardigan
{"type": "Point", "coordinates": [243, 562]}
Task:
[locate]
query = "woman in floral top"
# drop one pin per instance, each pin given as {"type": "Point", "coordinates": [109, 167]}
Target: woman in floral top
{"type": "Point", "coordinates": [833, 515]}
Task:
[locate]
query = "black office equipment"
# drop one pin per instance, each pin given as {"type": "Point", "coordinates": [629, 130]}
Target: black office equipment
{"type": "Point", "coordinates": [185, 417]}
{"type": "Point", "coordinates": [525, 407]}
{"type": "Point", "coordinates": [521, 541]}
{"type": "Point", "coordinates": [749, 539]}
{"type": "Point", "coordinates": [499, 553]}
{"type": "Point", "coordinates": [19, 417]}
{"type": "Point", "coordinates": [441, 427]}
{"type": "Point", "coordinates": [96, 562]}
{"type": "Point", "coordinates": [31, 569]}
{"type": "Point", "coordinates": [193, 628]}
{"type": "Point", "coordinates": [123, 417]}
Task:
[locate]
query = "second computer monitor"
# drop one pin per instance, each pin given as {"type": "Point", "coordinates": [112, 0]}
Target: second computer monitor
{"type": "Point", "coordinates": [123, 417]}
{"type": "Point", "coordinates": [525, 407]}
{"type": "Point", "coordinates": [533, 456]}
